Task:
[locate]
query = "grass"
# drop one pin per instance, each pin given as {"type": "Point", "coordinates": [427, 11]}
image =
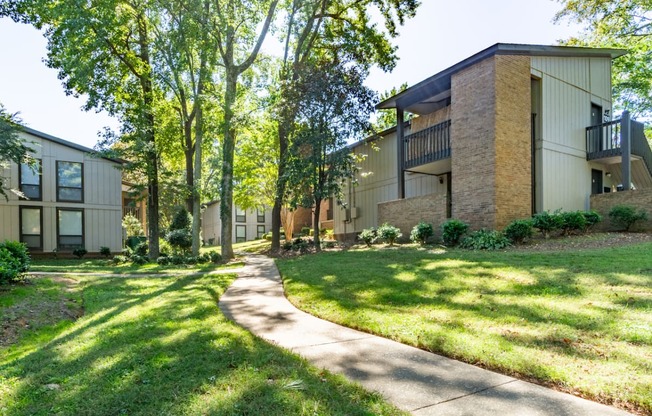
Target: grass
{"type": "Point", "coordinates": [157, 345]}
{"type": "Point", "coordinates": [578, 320]}
{"type": "Point", "coordinates": [106, 266]}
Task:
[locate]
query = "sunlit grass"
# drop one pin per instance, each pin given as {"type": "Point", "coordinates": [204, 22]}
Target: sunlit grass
{"type": "Point", "coordinates": [160, 345]}
{"type": "Point", "coordinates": [580, 320]}
{"type": "Point", "coordinates": [106, 266]}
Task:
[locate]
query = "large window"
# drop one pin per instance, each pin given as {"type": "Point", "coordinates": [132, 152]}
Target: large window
{"type": "Point", "coordinates": [70, 182]}
{"type": "Point", "coordinates": [31, 227]}
{"type": "Point", "coordinates": [240, 215]}
{"type": "Point", "coordinates": [30, 180]}
{"type": "Point", "coordinates": [260, 231]}
{"type": "Point", "coordinates": [260, 215]}
{"type": "Point", "coordinates": [70, 229]}
{"type": "Point", "coordinates": [240, 233]}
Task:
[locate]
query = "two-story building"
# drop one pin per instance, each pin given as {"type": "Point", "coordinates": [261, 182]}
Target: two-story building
{"type": "Point", "coordinates": [508, 132]}
{"type": "Point", "coordinates": [73, 199]}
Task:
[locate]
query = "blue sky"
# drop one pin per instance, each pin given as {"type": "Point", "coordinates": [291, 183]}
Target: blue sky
{"type": "Point", "coordinates": [443, 33]}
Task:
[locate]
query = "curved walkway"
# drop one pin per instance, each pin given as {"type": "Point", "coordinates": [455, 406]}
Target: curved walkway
{"type": "Point", "coordinates": [414, 380]}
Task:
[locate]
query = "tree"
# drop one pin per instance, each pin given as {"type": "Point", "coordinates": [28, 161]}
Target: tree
{"type": "Point", "coordinates": [12, 148]}
{"type": "Point", "coordinates": [333, 107]}
{"type": "Point", "coordinates": [103, 49]}
{"type": "Point", "coordinates": [386, 119]}
{"type": "Point", "coordinates": [322, 28]}
{"type": "Point", "coordinates": [625, 24]}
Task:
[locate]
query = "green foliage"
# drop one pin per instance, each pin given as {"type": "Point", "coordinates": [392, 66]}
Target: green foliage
{"type": "Point", "coordinates": [369, 236]}
{"type": "Point", "coordinates": [485, 240]}
{"type": "Point", "coordinates": [14, 261]}
{"type": "Point", "coordinates": [120, 259]}
{"type": "Point", "coordinates": [452, 232]}
{"type": "Point", "coordinates": [80, 252]}
{"type": "Point", "coordinates": [141, 249]}
{"type": "Point", "coordinates": [132, 225]}
{"type": "Point", "coordinates": [573, 222]}
{"type": "Point", "coordinates": [182, 220]}
{"type": "Point", "coordinates": [546, 222]}
{"type": "Point", "coordinates": [387, 118]}
{"type": "Point", "coordinates": [518, 230]}
{"type": "Point", "coordinates": [215, 257]}
{"type": "Point", "coordinates": [12, 147]}
{"type": "Point", "coordinates": [105, 251]}
{"type": "Point", "coordinates": [139, 260]}
{"type": "Point", "coordinates": [165, 248]}
{"type": "Point", "coordinates": [163, 261]}
{"type": "Point", "coordinates": [624, 217]}
{"type": "Point", "coordinates": [421, 233]}
{"type": "Point", "coordinates": [305, 231]}
{"type": "Point", "coordinates": [592, 218]}
{"type": "Point", "coordinates": [389, 233]}
{"type": "Point", "coordinates": [179, 239]}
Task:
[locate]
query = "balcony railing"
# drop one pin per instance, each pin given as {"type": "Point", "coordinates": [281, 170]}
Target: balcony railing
{"type": "Point", "coordinates": [603, 141]}
{"type": "Point", "coordinates": [429, 145]}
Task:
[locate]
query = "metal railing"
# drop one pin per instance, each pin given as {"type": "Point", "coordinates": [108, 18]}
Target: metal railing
{"type": "Point", "coordinates": [603, 140]}
{"type": "Point", "coordinates": [640, 145]}
{"type": "Point", "coordinates": [428, 145]}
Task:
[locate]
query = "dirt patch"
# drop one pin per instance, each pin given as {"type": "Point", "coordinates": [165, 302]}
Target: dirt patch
{"type": "Point", "coordinates": [43, 307]}
{"type": "Point", "coordinates": [584, 242]}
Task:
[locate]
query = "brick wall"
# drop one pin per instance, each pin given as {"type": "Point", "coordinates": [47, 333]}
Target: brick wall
{"type": "Point", "coordinates": [513, 139]}
{"type": "Point", "coordinates": [641, 198]}
{"type": "Point", "coordinates": [427, 120]}
{"type": "Point", "coordinates": [473, 105]}
{"type": "Point", "coordinates": [406, 213]}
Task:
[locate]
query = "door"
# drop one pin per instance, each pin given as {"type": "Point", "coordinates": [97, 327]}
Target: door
{"type": "Point", "coordinates": [596, 181]}
{"type": "Point", "coordinates": [596, 134]}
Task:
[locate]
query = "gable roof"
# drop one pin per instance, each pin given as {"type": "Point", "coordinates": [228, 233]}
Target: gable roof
{"type": "Point", "coordinates": [66, 143]}
{"type": "Point", "coordinates": [437, 87]}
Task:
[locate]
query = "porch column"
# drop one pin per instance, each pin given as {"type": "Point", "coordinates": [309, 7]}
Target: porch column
{"type": "Point", "coordinates": [400, 151]}
{"type": "Point", "coordinates": [626, 148]}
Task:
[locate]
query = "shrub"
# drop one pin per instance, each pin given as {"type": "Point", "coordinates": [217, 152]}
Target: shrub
{"type": "Point", "coordinates": [132, 225]}
{"type": "Point", "coordinates": [79, 252]}
{"type": "Point", "coordinates": [624, 216]}
{"type": "Point", "coordinates": [572, 222]}
{"type": "Point", "coordinates": [517, 231]}
{"type": "Point", "coordinates": [389, 233]}
{"type": "Point", "coordinates": [105, 251]}
{"type": "Point", "coordinates": [215, 256]}
{"type": "Point", "coordinates": [14, 261]}
{"type": "Point", "coordinates": [138, 259]}
{"type": "Point", "coordinates": [547, 222]}
{"type": "Point", "coordinates": [163, 260]}
{"type": "Point", "coordinates": [179, 239]}
{"type": "Point", "coordinates": [182, 220]}
{"type": "Point", "coordinates": [177, 260]}
{"type": "Point", "coordinates": [329, 234]}
{"type": "Point", "coordinates": [287, 245]}
{"type": "Point", "coordinates": [191, 260]}
{"type": "Point", "coordinates": [120, 259]}
{"type": "Point", "coordinates": [305, 231]}
{"type": "Point", "coordinates": [452, 232]}
{"type": "Point", "coordinates": [164, 248]}
{"type": "Point", "coordinates": [485, 240]}
{"type": "Point", "coordinates": [592, 218]}
{"type": "Point", "coordinates": [204, 258]}
{"type": "Point", "coordinates": [141, 249]}
{"type": "Point", "coordinates": [328, 244]}
{"type": "Point", "coordinates": [369, 236]}
{"type": "Point", "coordinates": [421, 233]}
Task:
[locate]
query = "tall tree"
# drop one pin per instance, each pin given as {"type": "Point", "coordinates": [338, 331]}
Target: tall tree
{"type": "Point", "coordinates": [386, 119]}
{"type": "Point", "coordinates": [12, 148]}
{"type": "Point", "coordinates": [103, 49]}
{"type": "Point", "coordinates": [325, 27]}
{"type": "Point", "coordinates": [625, 24]}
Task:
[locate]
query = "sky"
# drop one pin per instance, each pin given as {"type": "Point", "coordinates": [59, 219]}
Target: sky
{"type": "Point", "coordinates": [443, 33]}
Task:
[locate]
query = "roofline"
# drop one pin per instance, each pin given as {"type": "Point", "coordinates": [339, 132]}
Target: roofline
{"type": "Point", "coordinates": [377, 136]}
{"type": "Point", "coordinates": [66, 143]}
{"type": "Point", "coordinates": [507, 49]}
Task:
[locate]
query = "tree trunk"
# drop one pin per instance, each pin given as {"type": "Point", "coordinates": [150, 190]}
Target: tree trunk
{"type": "Point", "coordinates": [189, 151]}
{"type": "Point", "coordinates": [226, 191]}
{"type": "Point", "coordinates": [315, 225]}
{"type": "Point", "coordinates": [196, 192]}
{"type": "Point", "coordinates": [280, 187]}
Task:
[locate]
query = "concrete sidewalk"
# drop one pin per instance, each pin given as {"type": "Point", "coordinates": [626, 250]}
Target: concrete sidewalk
{"type": "Point", "coordinates": [414, 380]}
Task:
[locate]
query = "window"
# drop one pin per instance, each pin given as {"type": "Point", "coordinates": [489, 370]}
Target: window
{"type": "Point", "coordinates": [70, 229]}
{"type": "Point", "coordinates": [31, 226]}
{"type": "Point", "coordinates": [240, 233]}
{"type": "Point", "coordinates": [70, 182]}
{"type": "Point", "coordinates": [260, 231]}
{"type": "Point", "coordinates": [30, 180]}
{"type": "Point", "coordinates": [260, 215]}
{"type": "Point", "coordinates": [240, 215]}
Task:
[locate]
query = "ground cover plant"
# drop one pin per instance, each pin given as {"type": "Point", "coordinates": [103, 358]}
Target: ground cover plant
{"type": "Point", "coordinates": [578, 320]}
{"type": "Point", "coordinates": [157, 345]}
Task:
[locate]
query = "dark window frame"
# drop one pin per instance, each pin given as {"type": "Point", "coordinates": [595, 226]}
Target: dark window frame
{"type": "Point", "coordinates": [20, 225]}
{"type": "Point", "coordinates": [240, 218]}
{"type": "Point", "coordinates": [258, 233]}
{"type": "Point", "coordinates": [83, 228]}
{"type": "Point", "coordinates": [40, 180]}
{"type": "Point", "coordinates": [238, 239]}
{"type": "Point", "coordinates": [70, 187]}
{"type": "Point", "coordinates": [260, 217]}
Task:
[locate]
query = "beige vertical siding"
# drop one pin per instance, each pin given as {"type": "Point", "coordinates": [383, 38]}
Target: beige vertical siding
{"type": "Point", "coordinates": [211, 223]}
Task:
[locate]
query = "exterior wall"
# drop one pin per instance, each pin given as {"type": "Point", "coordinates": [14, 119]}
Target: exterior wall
{"type": "Point", "coordinates": [211, 224]}
{"type": "Point", "coordinates": [431, 119]}
{"type": "Point", "coordinates": [569, 86]}
{"type": "Point", "coordinates": [102, 204]}
{"type": "Point", "coordinates": [641, 199]}
{"type": "Point", "coordinates": [406, 213]}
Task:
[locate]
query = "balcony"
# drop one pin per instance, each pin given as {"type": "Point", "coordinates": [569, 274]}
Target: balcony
{"type": "Point", "coordinates": [603, 142]}
{"type": "Point", "coordinates": [428, 145]}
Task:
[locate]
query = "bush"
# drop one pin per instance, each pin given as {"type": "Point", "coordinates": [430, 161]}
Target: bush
{"type": "Point", "coordinates": [105, 251]}
{"type": "Point", "coordinates": [141, 249]}
{"type": "Point", "coordinates": [485, 240]}
{"type": "Point", "coordinates": [182, 220]}
{"type": "Point", "coordinates": [572, 222]}
{"type": "Point", "coordinates": [79, 252]}
{"type": "Point", "coordinates": [138, 259]}
{"type": "Point", "coordinates": [421, 233]}
{"type": "Point", "coordinates": [163, 260]}
{"type": "Point", "coordinates": [547, 222]}
{"type": "Point", "coordinates": [177, 260]}
{"type": "Point", "coordinates": [14, 261]}
{"type": "Point", "coordinates": [120, 259]}
{"type": "Point", "coordinates": [305, 231]}
{"type": "Point", "coordinates": [132, 225]}
{"type": "Point", "coordinates": [164, 248]}
{"type": "Point", "coordinates": [179, 239]}
{"type": "Point", "coordinates": [328, 244]}
{"type": "Point", "coordinates": [624, 216]}
{"type": "Point", "coordinates": [204, 258]}
{"type": "Point", "coordinates": [592, 218]}
{"type": "Point", "coordinates": [452, 232]}
{"type": "Point", "coordinates": [389, 233]}
{"type": "Point", "coordinates": [329, 234]}
{"type": "Point", "coordinates": [215, 256]}
{"type": "Point", "coordinates": [517, 231]}
{"type": "Point", "coordinates": [369, 236]}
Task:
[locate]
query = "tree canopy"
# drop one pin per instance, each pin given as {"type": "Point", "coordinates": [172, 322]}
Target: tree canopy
{"type": "Point", "coordinates": [12, 148]}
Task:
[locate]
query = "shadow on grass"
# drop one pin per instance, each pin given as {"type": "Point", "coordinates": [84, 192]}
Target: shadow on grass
{"type": "Point", "coordinates": [161, 346]}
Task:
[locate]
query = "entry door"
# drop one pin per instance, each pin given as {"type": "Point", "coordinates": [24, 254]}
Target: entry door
{"type": "Point", "coordinates": [596, 181]}
{"type": "Point", "coordinates": [596, 119]}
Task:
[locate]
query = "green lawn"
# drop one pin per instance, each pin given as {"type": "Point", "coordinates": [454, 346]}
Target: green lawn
{"type": "Point", "coordinates": [152, 346]}
{"type": "Point", "coordinates": [579, 320]}
{"type": "Point", "coordinates": [106, 266]}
